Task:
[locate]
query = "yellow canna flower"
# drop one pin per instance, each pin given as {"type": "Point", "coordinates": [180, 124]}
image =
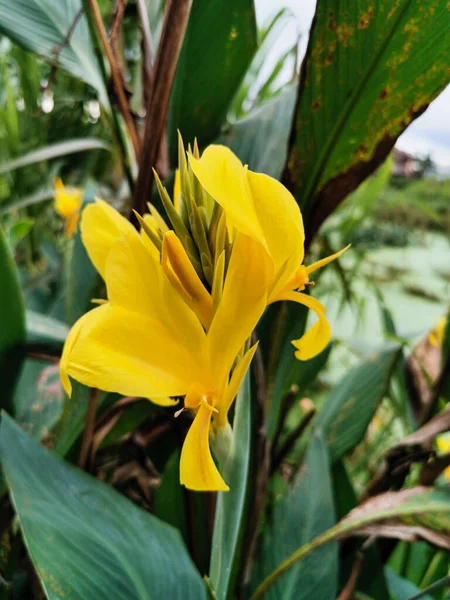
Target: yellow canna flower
{"type": "Point", "coordinates": [436, 335]}
{"type": "Point", "coordinates": [262, 208]}
{"type": "Point", "coordinates": [147, 340]}
{"type": "Point", "coordinates": [443, 444]}
{"type": "Point", "coordinates": [68, 205]}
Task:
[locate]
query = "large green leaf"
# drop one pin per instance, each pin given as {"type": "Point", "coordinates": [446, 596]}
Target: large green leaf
{"type": "Point", "coordinates": [370, 69]}
{"type": "Point", "coordinates": [86, 540]}
{"type": "Point", "coordinates": [218, 47]}
{"type": "Point", "coordinates": [38, 398]}
{"type": "Point", "coordinates": [12, 322]}
{"type": "Point", "coordinates": [229, 519]}
{"type": "Point", "coordinates": [260, 140]}
{"type": "Point", "coordinates": [349, 407]}
{"type": "Point", "coordinates": [417, 512]}
{"type": "Point", "coordinates": [305, 511]}
{"type": "Point", "coordinates": [42, 25]}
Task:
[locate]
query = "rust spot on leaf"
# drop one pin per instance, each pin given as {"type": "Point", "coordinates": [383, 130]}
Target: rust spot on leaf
{"type": "Point", "coordinates": [316, 105]}
{"type": "Point", "coordinates": [383, 94]}
{"type": "Point", "coordinates": [344, 33]}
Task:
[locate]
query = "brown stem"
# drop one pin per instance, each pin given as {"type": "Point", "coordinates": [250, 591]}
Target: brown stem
{"type": "Point", "coordinates": [89, 427]}
{"type": "Point", "coordinates": [44, 357]}
{"type": "Point", "coordinates": [147, 50]}
{"type": "Point", "coordinates": [175, 23]}
{"type": "Point", "coordinates": [115, 76]}
{"type": "Point", "coordinates": [114, 33]}
{"type": "Point", "coordinates": [437, 390]}
{"type": "Point", "coordinates": [349, 589]}
{"type": "Point", "coordinates": [433, 469]}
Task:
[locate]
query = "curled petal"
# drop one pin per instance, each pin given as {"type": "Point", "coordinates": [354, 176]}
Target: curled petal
{"type": "Point", "coordinates": [224, 177]}
{"type": "Point", "coordinates": [197, 468]}
{"type": "Point", "coordinates": [315, 339]}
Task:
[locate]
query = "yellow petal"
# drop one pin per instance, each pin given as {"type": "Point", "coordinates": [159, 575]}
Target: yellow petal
{"type": "Point", "coordinates": [315, 339]}
{"type": "Point", "coordinates": [116, 350]}
{"type": "Point", "coordinates": [437, 334]}
{"type": "Point", "coordinates": [281, 223]}
{"type": "Point", "coordinates": [67, 350]}
{"type": "Point", "coordinates": [224, 403]}
{"type": "Point", "coordinates": [101, 225]}
{"type": "Point", "coordinates": [443, 443]}
{"type": "Point", "coordinates": [136, 281]}
{"type": "Point", "coordinates": [325, 261]}
{"type": "Point", "coordinates": [197, 468]}
{"type": "Point", "coordinates": [243, 302]}
{"type": "Point", "coordinates": [180, 271]}
{"type": "Point", "coordinates": [164, 401]}
{"type": "Point", "coordinates": [177, 190]}
{"type": "Point", "coordinates": [223, 176]}
{"type": "Point", "coordinates": [67, 200]}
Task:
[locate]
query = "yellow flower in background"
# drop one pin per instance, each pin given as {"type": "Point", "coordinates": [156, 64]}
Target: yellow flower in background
{"type": "Point", "coordinates": [146, 340]}
{"type": "Point", "coordinates": [263, 209]}
{"type": "Point", "coordinates": [443, 444]}
{"type": "Point", "coordinates": [68, 205]}
{"type": "Point", "coordinates": [437, 334]}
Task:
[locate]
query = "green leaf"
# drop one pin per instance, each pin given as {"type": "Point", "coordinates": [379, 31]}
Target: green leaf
{"type": "Point", "coordinates": [86, 540]}
{"type": "Point", "coordinates": [42, 25]}
{"type": "Point", "coordinates": [82, 283]}
{"type": "Point", "coordinates": [12, 329]}
{"type": "Point", "coordinates": [350, 406]}
{"type": "Point", "coordinates": [360, 204]}
{"type": "Point", "coordinates": [217, 49]}
{"type": "Point", "coordinates": [418, 511]}
{"type": "Point", "coordinates": [37, 198]}
{"type": "Point", "coordinates": [261, 139]}
{"type": "Point", "coordinates": [72, 419]}
{"type": "Point", "coordinates": [38, 398]}
{"type": "Point", "coordinates": [229, 520]}
{"type": "Point", "coordinates": [53, 151]}
{"type": "Point", "coordinates": [268, 36]}
{"type": "Point", "coordinates": [400, 588]}
{"type": "Point", "coordinates": [169, 503]}
{"type": "Point", "coordinates": [18, 230]}
{"type": "Point", "coordinates": [41, 328]}
{"type": "Point", "coordinates": [371, 68]}
{"type": "Point", "coordinates": [304, 512]}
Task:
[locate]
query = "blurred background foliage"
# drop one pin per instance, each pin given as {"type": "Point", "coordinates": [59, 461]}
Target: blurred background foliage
{"type": "Point", "coordinates": [359, 421]}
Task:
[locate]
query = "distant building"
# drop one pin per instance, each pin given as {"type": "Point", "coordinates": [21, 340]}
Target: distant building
{"type": "Point", "coordinates": [406, 165]}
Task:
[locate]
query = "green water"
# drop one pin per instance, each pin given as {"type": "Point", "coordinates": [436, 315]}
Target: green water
{"type": "Point", "coordinates": [414, 282]}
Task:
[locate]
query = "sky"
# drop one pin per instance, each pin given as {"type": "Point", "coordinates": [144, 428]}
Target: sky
{"type": "Point", "coordinates": [429, 134]}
